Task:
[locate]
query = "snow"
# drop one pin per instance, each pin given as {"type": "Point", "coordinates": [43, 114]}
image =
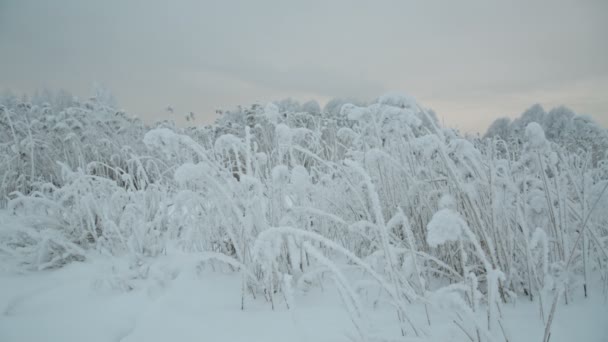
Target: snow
{"type": "Point", "coordinates": [284, 134]}
{"type": "Point", "coordinates": [81, 302]}
{"type": "Point", "coordinates": [446, 225]}
{"type": "Point", "coordinates": [159, 137]}
{"type": "Point", "coordinates": [535, 135]}
{"type": "Point", "coordinates": [280, 174]}
{"type": "Point", "coordinates": [397, 99]}
{"type": "Point", "coordinates": [227, 143]}
{"type": "Point", "coordinates": [275, 224]}
{"type": "Point", "coordinates": [353, 112]}
{"type": "Point", "coordinates": [447, 201]}
{"type": "Point", "coordinates": [346, 135]}
{"type": "Point", "coordinates": [537, 201]}
{"type": "Point", "coordinates": [271, 111]}
{"type": "Point", "coordinates": [67, 306]}
{"type": "Point", "coordinates": [261, 158]}
{"type": "Point", "coordinates": [188, 172]}
{"type": "Point", "coordinates": [300, 179]}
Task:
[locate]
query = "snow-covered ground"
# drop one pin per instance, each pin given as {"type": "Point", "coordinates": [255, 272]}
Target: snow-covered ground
{"type": "Point", "coordinates": [366, 222]}
{"type": "Point", "coordinates": [91, 302]}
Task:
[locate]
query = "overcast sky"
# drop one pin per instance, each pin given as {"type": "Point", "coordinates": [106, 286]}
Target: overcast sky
{"type": "Point", "coordinates": [470, 61]}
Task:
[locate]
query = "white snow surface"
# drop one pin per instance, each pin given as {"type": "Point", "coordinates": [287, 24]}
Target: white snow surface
{"type": "Point", "coordinates": [88, 302]}
{"type": "Point", "coordinates": [175, 298]}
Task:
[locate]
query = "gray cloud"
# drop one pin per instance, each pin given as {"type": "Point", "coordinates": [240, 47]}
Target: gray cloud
{"type": "Point", "coordinates": [471, 60]}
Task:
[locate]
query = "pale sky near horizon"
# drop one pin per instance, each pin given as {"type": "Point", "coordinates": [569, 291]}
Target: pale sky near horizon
{"type": "Point", "coordinates": [470, 61]}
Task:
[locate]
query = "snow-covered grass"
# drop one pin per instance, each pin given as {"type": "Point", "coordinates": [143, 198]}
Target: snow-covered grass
{"type": "Point", "coordinates": [285, 222]}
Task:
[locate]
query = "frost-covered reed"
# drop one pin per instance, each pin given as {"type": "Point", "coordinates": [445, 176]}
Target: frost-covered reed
{"type": "Point", "coordinates": [376, 196]}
